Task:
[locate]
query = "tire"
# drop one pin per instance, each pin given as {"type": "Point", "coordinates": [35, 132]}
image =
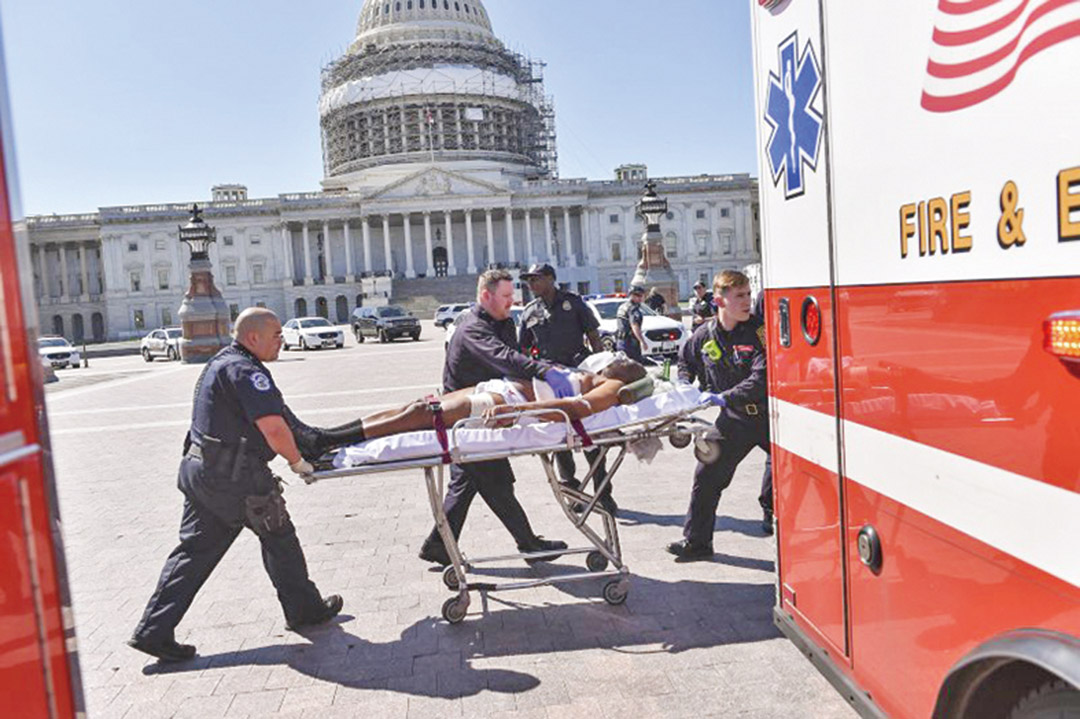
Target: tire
{"type": "Point", "coordinates": [608, 342]}
{"type": "Point", "coordinates": [595, 561]}
{"type": "Point", "coordinates": [416, 337]}
{"type": "Point", "coordinates": [680, 440]}
{"type": "Point", "coordinates": [171, 354]}
{"type": "Point", "coordinates": [453, 610]}
{"type": "Point", "coordinates": [359, 336]}
{"type": "Point", "coordinates": [146, 355]}
{"type": "Point", "coordinates": [450, 579]}
{"type": "Point", "coordinates": [303, 345]}
{"type": "Point", "coordinates": [615, 593]}
{"type": "Point", "coordinates": [383, 337]}
{"type": "Point", "coordinates": [707, 451]}
{"type": "Point", "coordinates": [1053, 700]}
{"type": "Point", "coordinates": [340, 346]}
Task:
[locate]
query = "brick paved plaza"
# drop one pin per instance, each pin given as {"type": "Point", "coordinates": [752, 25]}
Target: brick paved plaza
{"type": "Point", "coordinates": [692, 639]}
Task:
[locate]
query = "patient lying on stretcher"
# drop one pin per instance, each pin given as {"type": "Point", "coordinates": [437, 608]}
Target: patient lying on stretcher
{"type": "Point", "coordinates": [597, 391]}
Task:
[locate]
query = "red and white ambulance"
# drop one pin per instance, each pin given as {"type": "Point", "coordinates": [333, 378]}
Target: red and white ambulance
{"type": "Point", "coordinates": [920, 198]}
{"type": "Point", "coordinates": [39, 671]}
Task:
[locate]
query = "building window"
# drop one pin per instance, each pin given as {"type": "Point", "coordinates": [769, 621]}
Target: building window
{"type": "Point", "coordinates": [702, 242]}
{"type": "Point", "coordinates": [613, 219]}
{"type": "Point", "coordinates": [234, 312]}
{"type": "Point", "coordinates": [166, 317]}
{"type": "Point", "coordinates": [671, 215]}
{"type": "Point", "coordinates": [256, 239]}
{"type": "Point", "coordinates": [725, 240]}
{"type": "Point", "coordinates": [140, 323]}
{"type": "Point", "coordinates": [159, 244]}
{"type": "Point", "coordinates": [583, 288]}
{"type": "Point", "coordinates": [700, 214]}
{"type": "Point", "coordinates": [230, 274]}
{"type": "Point", "coordinates": [616, 251]}
{"type": "Point", "coordinates": [257, 274]}
{"type": "Point", "coordinates": [705, 279]}
{"type": "Point", "coordinates": [619, 285]}
{"type": "Point", "coordinates": [163, 279]}
{"type": "Point", "coordinates": [136, 281]}
{"type": "Point", "coordinates": [725, 212]}
{"type": "Point", "coordinates": [671, 245]}
{"type": "Point", "coordinates": [260, 303]}
{"type": "Point", "coordinates": [228, 240]}
{"type": "Point", "coordinates": [133, 245]}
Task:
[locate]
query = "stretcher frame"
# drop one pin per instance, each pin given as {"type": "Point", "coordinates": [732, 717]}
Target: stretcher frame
{"type": "Point", "coordinates": [680, 428]}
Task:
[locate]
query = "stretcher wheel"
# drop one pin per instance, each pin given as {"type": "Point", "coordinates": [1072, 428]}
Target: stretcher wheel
{"type": "Point", "coordinates": [450, 579]}
{"type": "Point", "coordinates": [595, 561]}
{"type": "Point", "coordinates": [707, 451]}
{"type": "Point", "coordinates": [615, 592]}
{"type": "Point", "coordinates": [680, 440]}
{"type": "Point", "coordinates": [453, 609]}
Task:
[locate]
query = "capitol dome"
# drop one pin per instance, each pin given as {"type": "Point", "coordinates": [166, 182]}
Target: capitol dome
{"type": "Point", "coordinates": [428, 81]}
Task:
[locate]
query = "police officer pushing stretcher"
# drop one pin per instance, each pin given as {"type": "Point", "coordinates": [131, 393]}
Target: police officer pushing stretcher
{"type": "Point", "coordinates": [553, 327]}
{"type": "Point", "coordinates": [484, 347]}
{"type": "Point", "coordinates": [237, 426]}
{"type": "Point", "coordinates": [727, 357]}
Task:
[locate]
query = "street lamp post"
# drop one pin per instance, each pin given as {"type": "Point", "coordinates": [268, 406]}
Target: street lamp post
{"type": "Point", "coordinates": [653, 269]}
{"type": "Point", "coordinates": [203, 314]}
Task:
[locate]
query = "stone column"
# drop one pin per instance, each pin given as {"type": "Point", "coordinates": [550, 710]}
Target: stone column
{"type": "Point", "coordinates": [714, 240]}
{"type": "Point", "coordinates": [286, 240]}
{"type": "Point", "coordinates": [528, 237]}
{"type": "Point", "coordinates": [43, 270]}
{"type": "Point", "coordinates": [511, 252]}
{"type": "Point", "coordinates": [428, 247]}
{"type": "Point", "coordinates": [469, 242]}
{"type": "Point", "coordinates": [366, 230]}
{"type": "Point", "coordinates": [571, 257]}
{"type": "Point", "coordinates": [684, 242]}
{"type": "Point", "coordinates": [388, 259]}
{"type": "Point", "coordinates": [350, 274]}
{"type": "Point", "coordinates": [307, 255]}
{"type": "Point", "coordinates": [410, 269]}
{"type": "Point", "coordinates": [490, 237]}
{"type": "Point", "coordinates": [630, 243]}
{"type": "Point", "coordinates": [587, 251]}
{"type": "Point", "coordinates": [451, 268]}
{"type": "Point", "coordinates": [84, 276]}
{"type": "Point", "coordinates": [328, 254]}
{"type": "Point", "coordinates": [65, 291]}
{"type": "Point", "coordinates": [547, 231]}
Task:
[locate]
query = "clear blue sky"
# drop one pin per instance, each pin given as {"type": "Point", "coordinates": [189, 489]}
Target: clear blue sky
{"type": "Point", "coordinates": [143, 101]}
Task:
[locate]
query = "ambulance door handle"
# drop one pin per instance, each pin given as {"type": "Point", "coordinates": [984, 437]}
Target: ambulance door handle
{"type": "Point", "coordinates": [785, 322]}
{"type": "Point", "coordinates": [869, 546]}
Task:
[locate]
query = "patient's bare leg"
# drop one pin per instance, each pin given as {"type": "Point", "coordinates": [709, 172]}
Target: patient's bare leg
{"type": "Point", "coordinates": [417, 415]}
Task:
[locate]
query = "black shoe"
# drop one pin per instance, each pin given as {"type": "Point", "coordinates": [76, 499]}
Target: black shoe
{"type": "Point", "coordinates": [167, 652]}
{"type": "Point", "coordinates": [435, 553]}
{"type": "Point", "coordinates": [331, 608]}
{"type": "Point", "coordinates": [684, 551]}
{"type": "Point", "coordinates": [767, 523]}
{"type": "Point", "coordinates": [539, 544]}
{"type": "Point", "coordinates": [609, 505]}
{"type": "Point", "coordinates": [310, 442]}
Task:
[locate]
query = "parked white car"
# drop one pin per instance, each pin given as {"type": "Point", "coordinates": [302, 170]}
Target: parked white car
{"type": "Point", "coordinates": [664, 337]}
{"type": "Point", "coordinates": [163, 342]}
{"type": "Point", "coordinates": [58, 352]}
{"type": "Point", "coordinates": [446, 314]}
{"type": "Point", "coordinates": [311, 333]}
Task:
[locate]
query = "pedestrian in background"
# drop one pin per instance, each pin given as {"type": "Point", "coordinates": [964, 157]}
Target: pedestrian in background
{"type": "Point", "coordinates": [629, 337]}
{"type": "Point", "coordinates": [701, 307]}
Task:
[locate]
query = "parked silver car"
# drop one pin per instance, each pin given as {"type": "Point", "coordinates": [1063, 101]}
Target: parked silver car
{"type": "Point", "coordinates": [163, 342]}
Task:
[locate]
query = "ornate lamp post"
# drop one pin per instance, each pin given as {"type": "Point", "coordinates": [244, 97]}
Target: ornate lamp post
{"type": "Point", "coordinates": [653, 269]}
{"type": "Point", "coordinates": [203, 314]}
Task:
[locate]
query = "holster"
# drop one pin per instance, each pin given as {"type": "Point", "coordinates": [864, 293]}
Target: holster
{"type": "Point", "coordinates": [266, 513]}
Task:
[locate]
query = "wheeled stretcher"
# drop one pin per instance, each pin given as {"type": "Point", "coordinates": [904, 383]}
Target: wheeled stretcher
{"type": "Point", "coordinates": [623, 429]}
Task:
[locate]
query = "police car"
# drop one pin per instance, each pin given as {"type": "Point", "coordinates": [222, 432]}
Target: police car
{"type": "Point", "coordinates": [311, 333]}
{"type": "Point", "coordinates": [58, 352]}
{"type": "Point", "coordinates": [664, 337]}
{"type": "Point", "coordinates": [164, 342]}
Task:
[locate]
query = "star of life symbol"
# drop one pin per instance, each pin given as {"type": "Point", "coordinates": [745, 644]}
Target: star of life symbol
{"type": "Point", "coordinates": [796, 125]}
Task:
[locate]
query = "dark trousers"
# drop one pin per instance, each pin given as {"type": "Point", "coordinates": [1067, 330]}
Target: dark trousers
{"type": "Point", "coordinates": [204, 539]}
{"type": "Point", "coordinates": [765, 499]}
{"type": "Point", "coordinates": [632, 349]}
{"type": "Point", "coordinates": [710, 480]}
{"type": "Point", "coordinates": [494, 481]}
{"type": "Point", "coordinates": [567, 468]}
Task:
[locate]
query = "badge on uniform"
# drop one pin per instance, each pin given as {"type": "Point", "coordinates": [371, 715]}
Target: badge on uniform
{"type": "Point", "coordinates": [712, 350]}
{"type": "Point", "coordinates": [566, 305]}
{"type": "Point", "coordinates": [261, 382]}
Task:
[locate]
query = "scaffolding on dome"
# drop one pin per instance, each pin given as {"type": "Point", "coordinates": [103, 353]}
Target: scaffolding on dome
{"type": "Point", "coordinates": [473, 116]}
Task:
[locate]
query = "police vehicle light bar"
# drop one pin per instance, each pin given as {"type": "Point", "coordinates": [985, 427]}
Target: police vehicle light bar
{"type": "Point", "coordinates": [1061, 335]}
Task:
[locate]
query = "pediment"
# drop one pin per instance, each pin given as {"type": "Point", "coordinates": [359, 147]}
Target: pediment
{"type": "Point", "coordinates": [436, 182]}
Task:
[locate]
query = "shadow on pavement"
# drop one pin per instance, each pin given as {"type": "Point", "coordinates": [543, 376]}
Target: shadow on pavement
{"type": "Point", "coordinates": [724, 523]}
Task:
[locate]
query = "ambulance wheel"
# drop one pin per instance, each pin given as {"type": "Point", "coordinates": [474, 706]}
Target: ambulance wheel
{"type": "Point", "coordinates": [680, 440]}
{"type": "Point", "coordinates": [1053, 700]}
{"type": "Point", "coordinates": [450, 579]}
{"type": "Point", "coordinates": [707, 451]}
{"type": "Point", "coordinates": [615, 592]}
{"type": "Point", "coordinates": [595, 561]}
{"type": "Point", "coordinates": [453, 610]}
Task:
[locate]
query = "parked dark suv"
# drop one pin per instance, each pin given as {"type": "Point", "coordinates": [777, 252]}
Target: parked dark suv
{"type": "Point", "coordinates": [387, 323]}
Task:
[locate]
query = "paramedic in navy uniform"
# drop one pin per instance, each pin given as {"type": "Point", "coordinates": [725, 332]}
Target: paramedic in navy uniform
{"type": "Point", "coordinates": [236, 428]}
{"type": "Point", "coordinates": [727, 357]}
{"type": "Point", "coordinates": [553, 327]}
{"type": "Point", "coordinates": [484, 347]}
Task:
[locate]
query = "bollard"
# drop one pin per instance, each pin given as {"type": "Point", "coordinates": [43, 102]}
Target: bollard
{"type": "Point", "coordinates": [85, 359]}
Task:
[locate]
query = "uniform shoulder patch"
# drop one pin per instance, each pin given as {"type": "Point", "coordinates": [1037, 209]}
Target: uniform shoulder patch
{"type": "Point", "coordinates": [566, 305]}
{"type": "Point", "coordinates": [761, 335]}
{"type": "Point", "coordinates": [261, 382]}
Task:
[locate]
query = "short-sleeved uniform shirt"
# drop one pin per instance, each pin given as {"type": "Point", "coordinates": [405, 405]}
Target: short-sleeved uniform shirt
{"type": "Point", "coordinates": [702, 308]}
{"type": "Point", "coordinates": [556, 332]}
{"type": "Point", "coordinates": [629, 314]}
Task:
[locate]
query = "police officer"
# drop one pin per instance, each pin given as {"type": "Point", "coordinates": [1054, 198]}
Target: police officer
{"type": "Point", "coordinates": [237, 426]}
{"type": "Point", "coordinates": [553, 327]}
{"type": "Point", "coordinates": [628, 335]}
{"type": "Point", "coordinates": [727, 357]}
{"type": "Point", "coordinates": [701, 309]}
{"type": "Point", "coordinates": [485, 347]}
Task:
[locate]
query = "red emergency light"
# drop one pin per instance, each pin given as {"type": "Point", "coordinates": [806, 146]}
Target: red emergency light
{"type": "Point", "coordinates": [1061, 335]}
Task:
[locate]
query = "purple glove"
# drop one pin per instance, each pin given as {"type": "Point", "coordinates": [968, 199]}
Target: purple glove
{"type": "Point", "coordinates": [713, 399]}
{"type": "Point", "coordinates": [559, 381]}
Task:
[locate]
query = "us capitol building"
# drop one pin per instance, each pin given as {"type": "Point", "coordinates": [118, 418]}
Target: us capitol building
{"type": "Point", "coordinates": [440, 159]}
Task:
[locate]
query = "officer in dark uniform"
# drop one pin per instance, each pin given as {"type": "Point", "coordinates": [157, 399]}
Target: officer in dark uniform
{"type": "Point", "coordinates": [553, 328]}
{"type": "Point", "coordinates": [701, 309]}
{"type": "Point", "coordinates": [628, 334]}
{"type": "Point", "coordinates": [484, 347]}
{"type": "Point", "coordinates": [237, 426]}
{"type": "Point", "coordinates": [727, 357]}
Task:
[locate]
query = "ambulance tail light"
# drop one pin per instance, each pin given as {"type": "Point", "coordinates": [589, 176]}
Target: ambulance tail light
{"type": "Point", "coordinates": [1061, 335]}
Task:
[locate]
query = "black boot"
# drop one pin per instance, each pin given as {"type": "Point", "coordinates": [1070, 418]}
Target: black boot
{"type": "Point", "coordinates": [342, 435]}
{"type": "Point", "coordinates": [309, 440]}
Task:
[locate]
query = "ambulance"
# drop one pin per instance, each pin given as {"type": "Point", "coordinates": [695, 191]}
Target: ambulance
{"type": "Point", "coordinates": [920, 215]}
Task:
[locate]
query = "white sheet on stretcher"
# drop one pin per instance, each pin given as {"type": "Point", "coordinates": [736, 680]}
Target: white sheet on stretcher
{"type": "Point", "coordinates": [416, 445]}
